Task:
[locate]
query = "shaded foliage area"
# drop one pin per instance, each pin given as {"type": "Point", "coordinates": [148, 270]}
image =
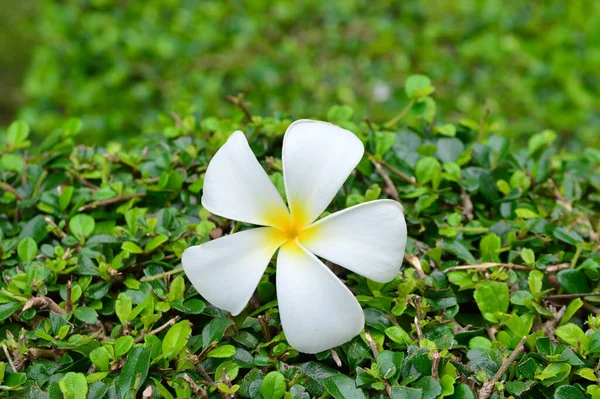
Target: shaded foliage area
{"type": "Point", "coordinates": [491, 299]}
{"type": "Point", "coordinates": [121, 66]}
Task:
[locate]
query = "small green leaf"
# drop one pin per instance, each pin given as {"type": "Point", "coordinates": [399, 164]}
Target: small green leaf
{"type": "Point", "coordinates": [417, 86]}
{"type": "Point", "coordinates": [135, 368]}
{"type": "Point", "coordinates": [101, 358]}
{"type": "Point", "coordinates": [384, 141]}
{"type": "Point", "coordinates": [273, 385]}
{"type": "Point", "coordinates": [86, 314]}
{"type": "Point", "coordinates": [27, 249]}
{"type": "Point", "coordinates": [492, 298]}
{"type": "Point", "coordinates": [123, 307]}
{"type": "Point", "coordinates": [12, 162]}
{"type": "Point", "coordinates": [223, 351]}
{"type": "Point", "coordinates": [74, 386]}
{"type": "Point", "coordinates": [132, 247]}
{"type": "Point", "coordinates": [82, 225]}
{"type": "Point", "coordinates": [176, 339]}
{"type": "Point", "coordinates": [17, 134]}
{"type": "Point", "coordinates": [573, 281]}
{"type": "Point", "coordinates": [154, 243]}
{"type": "Point", "coordinates": [123, 345]}
{"type": "Point", "coordinates": [528, 256]}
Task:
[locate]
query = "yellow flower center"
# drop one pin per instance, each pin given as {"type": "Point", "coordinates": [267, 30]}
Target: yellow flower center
{"type": "Point", "coordinates": [289, 227]}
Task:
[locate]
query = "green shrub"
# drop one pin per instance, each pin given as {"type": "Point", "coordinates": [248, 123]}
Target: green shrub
{"type": "Point", "coordinates": [120, 66]}
{"type": "Point", "coordinates": [93, 301]}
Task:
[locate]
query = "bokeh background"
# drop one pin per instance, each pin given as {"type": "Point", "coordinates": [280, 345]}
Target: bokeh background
{"type": "Point", "coordinates": [122, 65]}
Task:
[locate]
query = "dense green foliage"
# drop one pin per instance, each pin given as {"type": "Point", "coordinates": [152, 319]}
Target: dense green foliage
{"type": "Point", "coordinates": [121, 67]}
{"type": "Point", "coordinates": [93, 302]}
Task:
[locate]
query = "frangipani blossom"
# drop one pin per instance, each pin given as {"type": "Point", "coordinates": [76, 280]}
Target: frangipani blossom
{"type": "Point", "coordinates": [317, 310]}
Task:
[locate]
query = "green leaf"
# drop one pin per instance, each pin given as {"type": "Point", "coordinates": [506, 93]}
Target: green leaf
{"type": "Point", "coordinates": [132, 247]}
{"type": "Point", "coordinates": [17, 134]}
{"type": "Point", "coordinates": [490, 246]}
{"type": "Point", "coordinates": [528, 256]}
{"type": "Point", "coordinates": [569, 392]}
{"type": "Point", "coordinates": [223, 351]}
{"type": "Point", "coordinates": [123, 345]}
{"type": "Point", "coordinates": [417, 86]}
{"type": "Point", "coordinates": [74, 386]}
{"type": "Point", "coordinates": [492, 298]}
{"type": "Point", "coordinates": [273, 385]}
{"type": "Point", "coordinates": [572, 308]}
{"type": "Point", "coordinates": [570, 237]}
{"type": "Point", "coordinates": [101, 358]}
{"type": "Point", "coordinates": [27, 250]}
{"type": "Point", "coordinates": [430, 386]}
{"type": "Point", "coordinates": [176, 339]}
{"type": "Point", "coordinates": [594, 346]}
{"type": "Point", "coordinates": [65, 197]}
{"type": "Point", "coordinates": [342, 387]}
{"type": "Point", "coordinates": [390, 364]}
{"type": "Point", "coordinates": [82, 225]}
{"type": "Point", "coordinates": [137, 363]}
{"type": "Point", "coordinates": [12, 162]}
{"type": "Point", "coordinates": [573, 281]}
{"type": "Point", "coordinates": [573, 335]}
{"type": "Point", "coordinates": [154, 243]}
{"type": "Point", "coordinates": [123, 307]}
{"type": "Point", "coordinates": [86, 314]}
{"type": "Point", "coordinates": [7, 309]}
{"type": "Point", "coordinates": [384, 141]}
{"type": "Point", "coordinates": [427, 169]}
{"type": "Point", "coordinates": [540, 140]}
{"type": "Point", "coordinates": [553, 373]}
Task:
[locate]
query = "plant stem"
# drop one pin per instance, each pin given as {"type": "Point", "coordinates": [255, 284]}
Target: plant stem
{"type": "Point", "coordinates": [392, 122]}
{"type": "Point", "coordinates": [488, 387]}
{"type": "Point", "coordinates": [161, 275]}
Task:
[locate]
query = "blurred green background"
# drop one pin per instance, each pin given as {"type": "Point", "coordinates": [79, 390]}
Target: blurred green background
{"type": "Point", "coordinates": [121, 65]}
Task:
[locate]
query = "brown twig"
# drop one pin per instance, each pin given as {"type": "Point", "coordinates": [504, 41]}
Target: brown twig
{"type": "Point", "coordinates": [570, 296]}
{"type": "Point", "coordinates": [169, 323]}
{"type": "Point", "coordinates": [373, 346]}
{"type": "Point", "coordinates": [55, 227]}
{"type": "Point", "coordinates": [416, 263]}
{"type": "Point", "coordinates": [396, 172]}
{"type": "Point", "coordinates": [335, 357]}
{"type": "Point", "coordinates": [9, 358]}
{"type": "Point", "coordinates": [591, 308]}
{"type": "Point", "coordinates": [10, 189]}
{"type": "Point", "coordinates": [43, 302]}
{"type": "Point", "coordinates": [488, 387]}
{"type": "Point", "coordinates": [435, 364]}
{"type": "Point", "coordinates": [487, 265]}
{"type": "Point", "coordinates": [239, 101]}
{"type": "Point", "coordinates": [110, 201]}
{"type": "Point", "coordinates": [86, 182]}
{"type": "Point", "coordinates": [467, 205]}
{"type": "Point", "coordinates": [69, 301]}
{"type": "Point", "coordinates": [389, 187]}
{"type": "Point", "coordinates": [161, 275]}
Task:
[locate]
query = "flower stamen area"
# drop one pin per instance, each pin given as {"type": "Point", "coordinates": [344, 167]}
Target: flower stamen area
{"type": "Point", "coordinates": [288, 227]}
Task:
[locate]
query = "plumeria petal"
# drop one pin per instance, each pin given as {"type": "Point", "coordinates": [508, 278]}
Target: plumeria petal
{"type": "Point", "coordinates": [226, 271]}
{"type": "Point", "coordinates": [317, 311]}
{"type": "Point", "coordinates": [317, 159]}
{"type": "Point", "coordinates": [368, 239]}
{"type": "Point", "coordinates": [237, 187]}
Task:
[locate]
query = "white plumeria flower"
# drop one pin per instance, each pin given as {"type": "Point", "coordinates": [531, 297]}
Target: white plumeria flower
{"type": "Point", "coordinates": [317, 311]}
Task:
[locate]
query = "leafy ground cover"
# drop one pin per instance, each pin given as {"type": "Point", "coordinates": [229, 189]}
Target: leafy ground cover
{"type": "Point", "coordinates": [497, 296]}
{"type": "Point", "coordinates": [121, 68]}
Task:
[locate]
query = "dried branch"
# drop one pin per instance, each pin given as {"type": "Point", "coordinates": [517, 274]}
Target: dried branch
{"type": "Point", "coordinates": [110, 201]}
{"type": "Point", "coordinates": [488, 387]}
{"type": "Point", "coordinates": [43, 302]}
{"type": "Point", "coordinates": [10, 189]}
{"type": "Point", "coordinates": [169, 323]}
